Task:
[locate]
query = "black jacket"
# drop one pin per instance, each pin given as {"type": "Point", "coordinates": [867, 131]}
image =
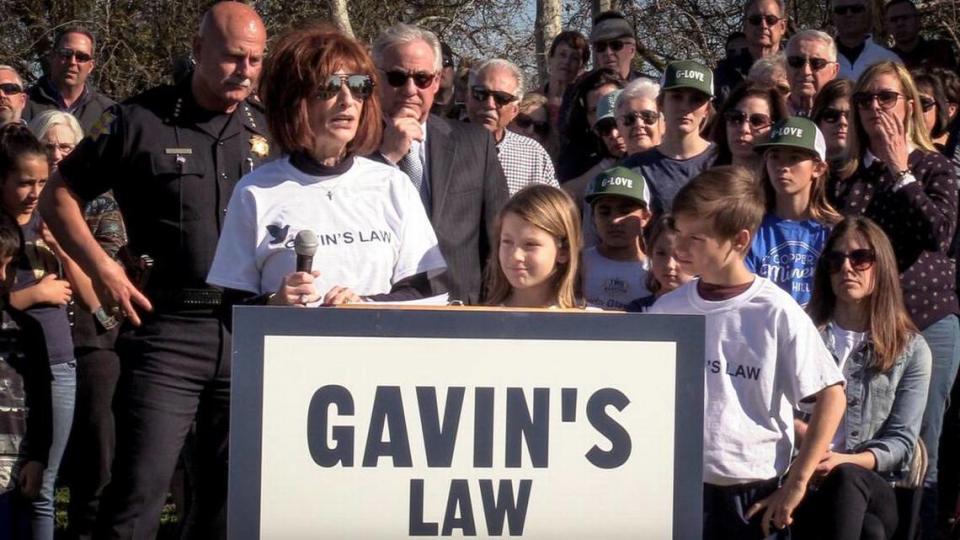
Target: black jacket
{"type": "Point", "coordinates": [87, 109]}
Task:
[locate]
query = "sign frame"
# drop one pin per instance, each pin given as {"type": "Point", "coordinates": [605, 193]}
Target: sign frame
{"type": "Point", "coordinates": [253, 324]}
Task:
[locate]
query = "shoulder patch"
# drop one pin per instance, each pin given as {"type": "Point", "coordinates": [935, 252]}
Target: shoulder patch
{"type": "Point", "coordinates": [103, 125]}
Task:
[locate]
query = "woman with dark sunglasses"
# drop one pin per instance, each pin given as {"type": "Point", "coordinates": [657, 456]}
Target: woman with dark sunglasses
{"type": "Point", "coordinates": [533, 120]}
{"type": "Point", "coordinates": [743, 121]}
{"type": "Point", "coordinates": [831, 112]}
{"type": "Point", "coordinates": [858, 305]}
{"type": "Point", "coordinates": [580, 147]}
{"type": "Point", "coordinates": [365, 222]}
{"type": "Point", "coordinates": [933, 102]}
{"type": "Point", "coordinates": [898, 179]}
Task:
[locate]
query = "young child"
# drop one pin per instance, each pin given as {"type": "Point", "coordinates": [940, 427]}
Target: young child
{"type": "Point", "coordinates": [24, 400]}
{"type": "Point", "coordinates": [41, 294]}
{"type": "Point", "coordinates": [615, 270]}
{"type": "Point", "coordinates": [798, 220]}
{"type": "Point", "coordinates": [665, 273]}
{"type": "Point", "coordinates": [536, 251]}
{"type": "Point", "coordinates": [763, 356]}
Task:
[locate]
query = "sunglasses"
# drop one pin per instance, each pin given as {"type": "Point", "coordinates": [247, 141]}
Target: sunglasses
{"type": "Point", "coordinates": [397, 78]}
{"type": "Point", "coordinates": [927, 103]}
{"type": "Point", "coordinates": [649, 118]}
{"type": "Point", "coordinates": [832, 116]}
{"type": "Point", "coordinates": [360, 86]}
{"type": "Point", "coordinates": [11, 89]}
{"type": "Point", "coordinates": [860, 259]}
{"type": "Point", "coordinates": [66, 53]}
{"type": "Point", "coordinates": [816, 64]}
{"type": "Point", "coordinates": [844, 10]}
{"type": "Point", "coordinates": [481, 93]}
{"type": "Point", "coordinates": [756, 20]}
{"type": "Point", "coordinates": [886, 98]}
{"type": "Point", "coordinates": [524, 121]}
{"type": "Point", "coordinates": [615, 45]}
{"type": "Point", "coordinates": [738, 118]}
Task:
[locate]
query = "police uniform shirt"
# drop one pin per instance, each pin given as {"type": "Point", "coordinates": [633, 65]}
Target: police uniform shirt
{"type": "Point", "coordinates": [371, 228]}
{"type": "Point", "coordinates": [172, 167]}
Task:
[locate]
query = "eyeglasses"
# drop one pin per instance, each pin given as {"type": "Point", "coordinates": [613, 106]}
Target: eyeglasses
{"type": "Point", "coordinates": [66, 53]}
{"type": "Point", "coordinates": [756, 20]}
{"type": "Point", "coordinates": [649, 118]}
{"type": "Point", "coordinates": [11, 89]}
{"type": "Point", "coordinates": [855, 9]}
{"type": "Point", "coordinates": [481, 93]}
{"type": "Point", "coordinates": [927, 103]}
{"type": "Point", "coordinates": [816, 64]}
{"type": "Point", "coordinates": [360, 86]}
{"type": "Point", "coordinates": [615, 45]}
{"type": "Point", "coordinates": [524, 121]}
{"type": "Point", "coordinates": [832, 116]}
{"type": "Point", "coordinates": [860, 259]}
{"type": "Point", "coordinates": [738, 118]}
{"type": "Point", "coordinates": [397, 78]}
{"type": "Point", "coordinates": [886, 98]}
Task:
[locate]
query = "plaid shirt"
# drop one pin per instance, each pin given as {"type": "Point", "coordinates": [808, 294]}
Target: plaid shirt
{"type": "Point", "coordinates": [524, 162]}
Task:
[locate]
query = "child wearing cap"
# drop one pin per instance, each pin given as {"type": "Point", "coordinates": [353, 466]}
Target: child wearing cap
{"type": "Point", "coordinates": [685, 100]}
{"type": "Point", "coordinates": [763, 355]}
{"type": "Point", "coordinates": [615, 270]}
{"type": "Point", "coordinates": [799, 218]}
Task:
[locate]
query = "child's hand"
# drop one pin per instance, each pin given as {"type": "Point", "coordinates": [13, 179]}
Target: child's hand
{"type": "Point", "coordinates": [51, 290]}
{"type": "Point", "coordinates": [31, 476]}
{"type": "Point", "coordinates": [779, 506]}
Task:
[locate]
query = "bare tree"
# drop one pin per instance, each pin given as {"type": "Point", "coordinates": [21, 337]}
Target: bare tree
{"type": "Point", "coordinates": [548, 26]}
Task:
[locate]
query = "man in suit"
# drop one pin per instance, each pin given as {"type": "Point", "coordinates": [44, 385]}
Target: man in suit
{"type": "Point", "coordinates": [453, 165]}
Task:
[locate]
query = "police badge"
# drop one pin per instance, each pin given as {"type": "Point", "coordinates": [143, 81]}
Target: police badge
{"type": "Point", "coordinates": [259, 146]}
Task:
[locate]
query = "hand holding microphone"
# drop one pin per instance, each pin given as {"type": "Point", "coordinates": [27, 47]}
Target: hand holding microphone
{"type": "Point", "coordinates": [298, 288]}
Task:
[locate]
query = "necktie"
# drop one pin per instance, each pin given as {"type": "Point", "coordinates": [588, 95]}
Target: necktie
{"type": "Point", "coordinates": [411, 166]}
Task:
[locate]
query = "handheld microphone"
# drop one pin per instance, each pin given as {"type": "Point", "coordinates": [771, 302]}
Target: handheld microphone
{"type": "Point", "coordinates": [305, 245]}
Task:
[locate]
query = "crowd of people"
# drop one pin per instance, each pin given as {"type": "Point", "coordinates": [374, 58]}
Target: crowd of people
{"type": "Point", "coordinates": [802, 196]}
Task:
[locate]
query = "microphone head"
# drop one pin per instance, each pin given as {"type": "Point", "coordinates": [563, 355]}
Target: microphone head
{"type": "Point", "coordinates": [305, 243]}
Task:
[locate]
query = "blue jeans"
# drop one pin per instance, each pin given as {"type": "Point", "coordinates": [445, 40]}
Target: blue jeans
{"type": "Point", "coordinates": [63, 389]}
{"type": "Point", "coordinates": [943, 337]}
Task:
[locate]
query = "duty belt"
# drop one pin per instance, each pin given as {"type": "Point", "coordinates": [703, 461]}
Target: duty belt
{"type": "Point", "coordinates": [187, 298]}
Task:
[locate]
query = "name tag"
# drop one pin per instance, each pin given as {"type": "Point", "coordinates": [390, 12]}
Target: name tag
{"type": "Point", "coordinates": [178, 151]}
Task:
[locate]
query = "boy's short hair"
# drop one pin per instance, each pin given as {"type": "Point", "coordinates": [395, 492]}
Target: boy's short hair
{"type": "Point", "coordinates": [730, 197]}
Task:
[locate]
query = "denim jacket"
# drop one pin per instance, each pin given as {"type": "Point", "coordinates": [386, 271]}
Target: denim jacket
{"type": "Point", "coordinates": [884, 410]}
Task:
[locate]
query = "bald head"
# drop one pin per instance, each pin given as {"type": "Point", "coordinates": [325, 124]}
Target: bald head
{"type": "Point", "coordinates": [229, 53]}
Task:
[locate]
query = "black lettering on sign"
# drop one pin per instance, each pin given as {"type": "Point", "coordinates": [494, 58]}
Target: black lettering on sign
{"type": "Point", "coordinates": [419, 527]}
{"type": "Point", "coordinates": [535, 428]}
{"type": "Point", "coordinates": [458, 502]}
{"type": "Point", "coordinates": [483, 427]}
{"type": "Point", "coordinates": [387, 410]}
{"type": "Point", "coordinates": [317, 415]}
{"type": "Point", "coordinates": [608, 427]}
{"type": "Point", "coordinates": [439, 441]}
{"type": "Point", "coordinates": [505, 506]}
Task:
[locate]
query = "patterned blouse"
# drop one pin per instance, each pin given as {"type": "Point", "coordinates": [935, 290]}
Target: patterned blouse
{"type": "Point", "coordinates": [105, 222]}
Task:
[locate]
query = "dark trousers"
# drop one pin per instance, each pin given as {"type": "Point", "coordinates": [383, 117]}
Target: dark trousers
{"type": "Point", "coordinates": [851, 503]}
{"type": "Point", "coordinates": [725, 508]}
{"type": "Point", "coordinates": [949, 482]}
{"type": "Point", "coordinates": [90, 451]}
{"type": "Point", "coordinates": [174, 369]}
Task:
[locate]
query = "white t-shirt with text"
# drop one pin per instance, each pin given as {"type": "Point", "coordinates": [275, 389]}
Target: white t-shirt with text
{"type": "Point", "coordinates": [610, 284]}
{"type": "Point", "coordinates": [371, 227]}
{"type": "Point", "coordinates": [763, 355]}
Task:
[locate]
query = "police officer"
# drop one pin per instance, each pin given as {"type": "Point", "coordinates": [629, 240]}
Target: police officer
{"type": "Point", "coordinates": [172, 156]}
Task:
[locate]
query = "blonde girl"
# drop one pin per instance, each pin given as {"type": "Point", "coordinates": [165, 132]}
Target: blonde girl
{"type": "Point", "coordinates": [535, 260]}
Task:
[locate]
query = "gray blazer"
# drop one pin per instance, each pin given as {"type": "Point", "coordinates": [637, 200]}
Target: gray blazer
{"type": "Point", "coordinates": [468, 189]}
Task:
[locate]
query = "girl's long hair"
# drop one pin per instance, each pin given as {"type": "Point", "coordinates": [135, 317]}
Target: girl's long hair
{"type": "Point", "coordinates": [552, 210]}
{"type": "Point", "coordinates": [819, 206]}
{"type": "Point", "coordinates": [890, 326]}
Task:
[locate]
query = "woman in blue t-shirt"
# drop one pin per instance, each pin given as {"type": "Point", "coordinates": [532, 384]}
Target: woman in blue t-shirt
{"type": "Point", "coordinates": [798, 220]}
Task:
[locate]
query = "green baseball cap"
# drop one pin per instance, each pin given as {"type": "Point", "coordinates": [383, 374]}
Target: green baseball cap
{"type": "Point", "coordinates": [796, 132]}
{"type": "Point", "coordinates": [688, 74]}
{"type": "Point", "coordinates": [619, 181]}
{"type": "Point", "coordinates": [607, 107]}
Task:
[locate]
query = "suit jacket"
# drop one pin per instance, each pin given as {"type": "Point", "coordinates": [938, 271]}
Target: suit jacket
{"type": "Point", "coordinates": [468, 189]}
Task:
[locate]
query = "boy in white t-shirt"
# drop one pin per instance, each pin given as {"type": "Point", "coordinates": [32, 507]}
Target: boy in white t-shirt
{"type": "Point", "coordinates": [763, 356]}
{"type": "Point", "coordinates": [615, 270]}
